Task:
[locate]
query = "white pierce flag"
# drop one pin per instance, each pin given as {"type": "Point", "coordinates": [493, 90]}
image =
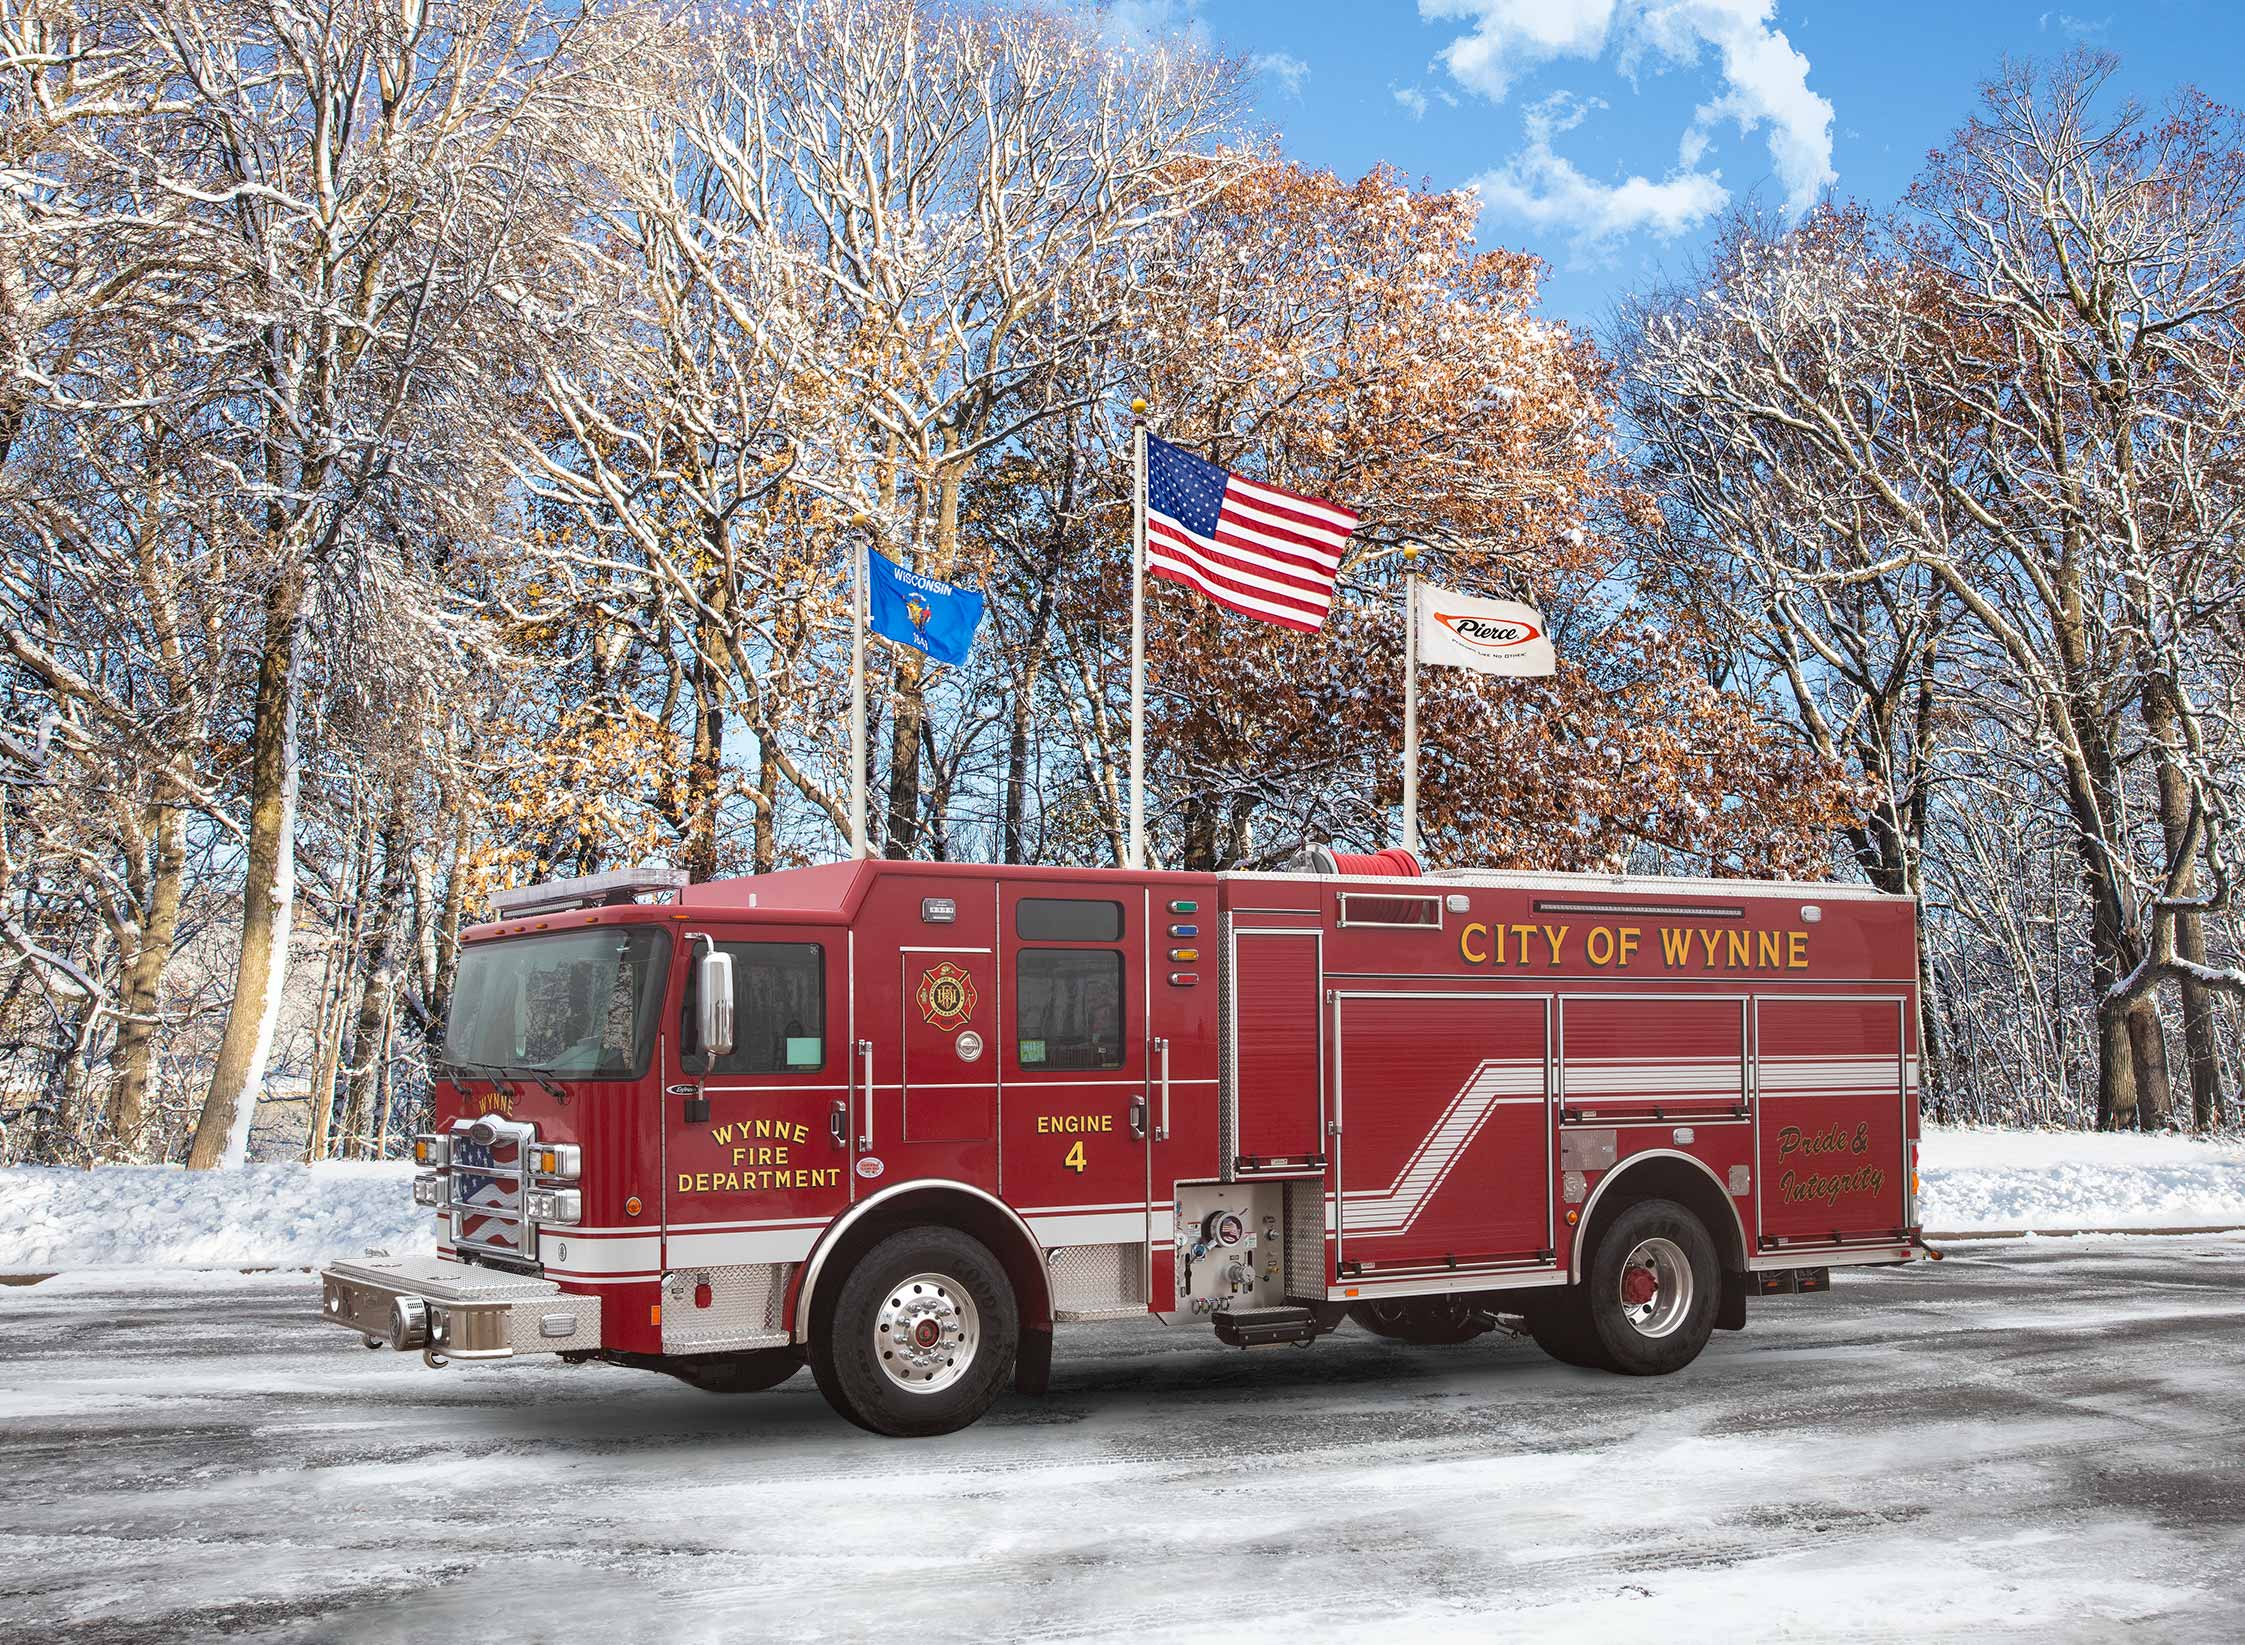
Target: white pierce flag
{"type": "Point", "coordinates": [1488, 636]}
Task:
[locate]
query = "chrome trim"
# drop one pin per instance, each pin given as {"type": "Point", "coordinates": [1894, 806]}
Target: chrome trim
{"type": "Point", "coordinates": [815, 1265]}
{"type": "Point", "coordinates": [1590, 1209]}
{"type": "Point", "coordinates": [865, 1057]}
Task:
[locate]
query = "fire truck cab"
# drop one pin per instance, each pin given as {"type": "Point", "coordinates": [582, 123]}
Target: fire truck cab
{"type": "Point", "coordinates": [901, 1120]}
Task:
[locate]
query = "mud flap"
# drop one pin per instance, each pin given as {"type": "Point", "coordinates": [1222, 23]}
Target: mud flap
{"type": "Point", "coordinates": [1032, 1361]}
{"type": "Point", "coordinates": [1730, 1312]}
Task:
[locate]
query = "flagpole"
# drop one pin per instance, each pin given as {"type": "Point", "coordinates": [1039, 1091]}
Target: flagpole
{"type": "Point", "coordinates": [1138, 634]}
{"type": "Point", "coordinates": [861, 536]}
{"type": "Point", "coordinates": [1411, 697]}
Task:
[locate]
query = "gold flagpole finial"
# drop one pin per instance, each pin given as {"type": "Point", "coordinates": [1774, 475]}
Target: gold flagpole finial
{"type": "Point", "coordinates": [1410, 552]}
{"type": "Point", "coordinates": [1138, 408]}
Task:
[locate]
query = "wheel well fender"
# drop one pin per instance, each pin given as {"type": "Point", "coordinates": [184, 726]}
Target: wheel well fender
{"type": "Point", "coordinates": [943, 1204]}
{"type": "Point", "coordinates": [1663, 1174]}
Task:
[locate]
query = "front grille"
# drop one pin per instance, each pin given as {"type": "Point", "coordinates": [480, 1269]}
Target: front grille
{"type": "Point", "coordinates": [487, 1181]}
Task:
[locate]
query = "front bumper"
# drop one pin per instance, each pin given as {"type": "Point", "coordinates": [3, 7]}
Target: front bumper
{"type": "Point", "coordinates": [450, 1310]}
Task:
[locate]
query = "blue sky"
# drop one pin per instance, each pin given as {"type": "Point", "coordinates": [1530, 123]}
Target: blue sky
{"type": "Point", "coordinates": [1604, 133]}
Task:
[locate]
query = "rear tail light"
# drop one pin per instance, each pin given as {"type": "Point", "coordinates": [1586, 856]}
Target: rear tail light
{"type": "Point", "coordinates": [429, 1149]}
{"type": "Point", "coordinates": [558, 1205]}
{"type": "Point", "coordinates": [564, 1160]}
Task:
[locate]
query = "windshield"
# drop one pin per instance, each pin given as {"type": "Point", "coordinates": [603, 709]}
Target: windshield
{"type": "Point", "coordinates": [577, 1002]}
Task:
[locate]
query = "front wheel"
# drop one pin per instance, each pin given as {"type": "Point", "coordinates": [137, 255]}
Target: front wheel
{"type": "Point", "coordinates": [922, 1335]}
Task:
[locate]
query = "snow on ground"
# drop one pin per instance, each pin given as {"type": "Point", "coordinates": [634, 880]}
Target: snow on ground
{"type": "Point", "coordinates": [1985, 1179]}
{"type": "Point", "coordinates": [272, 1216]}
{"type": "Point", "coordinates": [259, 1216]}
{"type": "Point", "coordinates": [2022, 1445]}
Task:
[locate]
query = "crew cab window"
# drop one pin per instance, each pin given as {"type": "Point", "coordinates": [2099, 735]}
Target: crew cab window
{"type": "Point", "coordinates": [779, 1009]}
{"type": "Point", "coordinates": [1068, 1009]}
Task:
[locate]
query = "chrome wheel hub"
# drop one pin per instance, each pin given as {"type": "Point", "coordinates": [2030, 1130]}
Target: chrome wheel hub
{"type": "Point", "coordinates": [926, 1333]}
{"type": "Point", "coordinates": [1655, 1288]}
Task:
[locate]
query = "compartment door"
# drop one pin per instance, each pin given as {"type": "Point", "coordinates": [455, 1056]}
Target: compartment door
{"type": "Point", "coordinates": [1830, 1125]}
{"type": "Point", "coordinates": [1444, 1153]}
{"type": "Point", "coordinates": [1278, 1050]}
{"type": "Point", "coordinates": [1632, 1058]}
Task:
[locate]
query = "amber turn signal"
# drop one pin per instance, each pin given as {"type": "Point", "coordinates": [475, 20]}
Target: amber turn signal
{"type": "Point", "coordinates": [631, 1206]}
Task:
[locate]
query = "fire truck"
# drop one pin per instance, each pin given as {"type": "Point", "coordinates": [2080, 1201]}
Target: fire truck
{"type": "Point", "coordinates": [900, 1121]}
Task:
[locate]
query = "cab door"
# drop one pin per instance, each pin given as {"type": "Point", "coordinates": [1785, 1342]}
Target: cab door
{"type": "Point", "coordinates": [756, 1143]}
{"type": "Point", "coordinates": [1081, 1076]}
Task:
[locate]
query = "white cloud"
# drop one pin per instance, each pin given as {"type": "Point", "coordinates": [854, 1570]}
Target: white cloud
{"type": "Point", "coordinates": [1764, 79]}
{"type": "Point", "coordinates": [2074, 28]}
{"type": "Point", "coordinates": [1413, 100]}
{"type": "Point", "coordinates": [1284, 67]}
{"type": "Point", "coordinates": [1541, 187]}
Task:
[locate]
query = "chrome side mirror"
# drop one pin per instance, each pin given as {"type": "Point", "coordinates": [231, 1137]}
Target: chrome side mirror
{"type": "Point", "coordinates": [713, 1003]}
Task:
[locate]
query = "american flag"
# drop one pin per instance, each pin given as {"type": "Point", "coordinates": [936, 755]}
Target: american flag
{"type": "Point", "coordinates": [1251, 548]}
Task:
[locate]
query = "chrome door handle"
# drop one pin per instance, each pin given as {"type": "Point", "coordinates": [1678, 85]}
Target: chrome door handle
{"type": "Point", "coordinates": [1138, 1116]}
{"type": "Point", "coordinates": [865, 1057]}
{"type": "Point", "coordinates": [1161, 1131]}
{"type": "Point", "coordinates": [838, 1123]}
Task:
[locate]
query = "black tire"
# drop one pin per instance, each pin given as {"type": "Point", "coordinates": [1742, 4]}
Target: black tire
{"type": "Point", "coordinates": [748, 1373]}
{"type": "Point", "coordinates": [1650, 1335]}
{"type": "Point", "coordinates": [901, 1318]}
{"type": "Point", "coordinates": [1424, 1322]}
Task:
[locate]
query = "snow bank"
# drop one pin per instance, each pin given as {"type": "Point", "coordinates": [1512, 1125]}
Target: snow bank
{"type": "Point", "coordinates": [257, 1216]}
{"type": "Point", "coordinates": [1985, 1179]}
{"type": "Point", "coordinates": [293, 1216]}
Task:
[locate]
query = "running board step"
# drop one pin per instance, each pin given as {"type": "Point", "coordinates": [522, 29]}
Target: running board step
{"type": "Point", "coordinates": [1262, 1327]}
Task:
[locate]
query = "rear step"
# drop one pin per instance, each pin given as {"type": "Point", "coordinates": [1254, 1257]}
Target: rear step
{"type": "Point", "coordinates": [1264, 1327]}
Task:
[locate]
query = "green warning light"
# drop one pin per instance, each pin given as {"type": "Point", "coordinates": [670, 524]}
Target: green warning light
{"type": "Point", "coordinates": [1184, 905]}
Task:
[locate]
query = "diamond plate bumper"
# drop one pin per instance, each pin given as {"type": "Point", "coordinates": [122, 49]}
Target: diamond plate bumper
{"type": "Point", "coordinates": [450, 1310]}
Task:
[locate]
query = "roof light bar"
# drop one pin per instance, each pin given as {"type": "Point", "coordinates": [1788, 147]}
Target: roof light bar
{"type": "Point", "coordinates": [606, 890]}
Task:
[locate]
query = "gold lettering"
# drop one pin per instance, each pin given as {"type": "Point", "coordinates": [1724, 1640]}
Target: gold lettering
{"type": "Point", "coordinates": [1599, 945]}
{"type": "Point", "coordinates": [1741, 952]}
{"type": "Point", "coordinates": [1707, 942]}
{"type": "Point", "coordinates": [1796, 950]}
{"type": "Point", "coordinates": [1675, 945]}
{"type": "Point", "coordinates": [1523, 932]}
{"type": "Point", "coordinates": [1554, 938]}
{"type": "Point", "coordinates": [1465, 944]}
{"type": "Point", "coordinates": [1766, 950]}
{"type": "Point", "coordinates": [1629, 936]}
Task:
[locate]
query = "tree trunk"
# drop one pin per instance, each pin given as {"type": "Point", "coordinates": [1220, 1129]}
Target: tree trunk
{"type": "Point", "coordinates": [134, 1057]}
{"type": "Point", "coordinates": [765, 849]}
{"type": "Point", "coordinates": [903, 826]}
{"type": "Point", "coordinates": [2147, 1046]}
{"type": "Point", "coordinates": [370, 1046]}
{"type": "Point", "coordinates": [2200, 1044]}
{"type": "Point", "coordinates": [268, 887]}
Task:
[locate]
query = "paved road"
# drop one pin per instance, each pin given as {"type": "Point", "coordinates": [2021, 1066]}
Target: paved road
{"type": "Point", "coordinates": [2039, 1441]}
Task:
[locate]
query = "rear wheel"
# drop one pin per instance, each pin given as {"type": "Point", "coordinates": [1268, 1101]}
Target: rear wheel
{"type": "Point", "coordinates": [1424, 1322]}
{"type": "Point", "coordinates": [922, 1335]}
{"type": "Point", "coordinates": [1652, 1289]}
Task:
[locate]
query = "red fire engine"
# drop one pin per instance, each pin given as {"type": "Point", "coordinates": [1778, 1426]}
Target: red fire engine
{"type": "Point", "coordinates": [900, 1120]}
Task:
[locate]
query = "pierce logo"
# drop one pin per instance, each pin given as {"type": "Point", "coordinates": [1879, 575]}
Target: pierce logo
{"type": "Point", "coordinates": [946, 996]}
{"type": "Point", "coordinates": [1483, 634]}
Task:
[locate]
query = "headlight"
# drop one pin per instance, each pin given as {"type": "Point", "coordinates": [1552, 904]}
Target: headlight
{"type": "Point", "coordinates": [429, 1149]}
{"type": "Point", "coordinates": [557, 1159]}
{"type": "Point", "coordinates": [428, 1188]}
{"type": "Point", "coordinates": [555, 1204]}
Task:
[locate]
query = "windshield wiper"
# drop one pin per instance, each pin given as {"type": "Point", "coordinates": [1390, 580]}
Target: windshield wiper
{"type": "Point", "coordinates": [489, 1070]}
{"type": "Point", "coordinates": [553, 1087]}
{"type": "Point", "coordinates": [498, 1073]}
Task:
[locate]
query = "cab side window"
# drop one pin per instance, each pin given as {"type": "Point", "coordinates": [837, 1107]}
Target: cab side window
{"type": "Point", "coordinates": [779, 1010]}
{"type": "Point", "coordinates": [1068, 1009]}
